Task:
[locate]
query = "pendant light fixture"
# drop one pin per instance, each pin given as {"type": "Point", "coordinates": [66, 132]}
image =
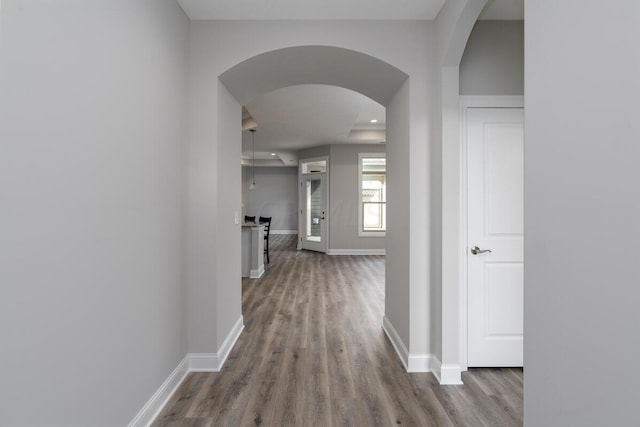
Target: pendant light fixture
{"type": "Point", "coordinates": [253, 160]}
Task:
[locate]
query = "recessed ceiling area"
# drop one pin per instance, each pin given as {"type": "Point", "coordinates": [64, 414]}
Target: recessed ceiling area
{"type": "Point", "coordinates": [304, 116]}
{"type": "Point", "coordinates": [337, 9]}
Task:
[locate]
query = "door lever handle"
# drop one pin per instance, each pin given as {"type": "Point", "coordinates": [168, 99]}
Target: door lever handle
{"type": "Point", "coordinates": [476, 250]}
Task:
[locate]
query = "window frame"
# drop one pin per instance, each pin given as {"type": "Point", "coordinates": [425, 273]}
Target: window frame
{"type": "Point", "coordinates": [361, 231]}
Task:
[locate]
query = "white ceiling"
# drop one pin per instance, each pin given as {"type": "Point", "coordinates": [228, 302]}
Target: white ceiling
{"type": "Point", "coordinates": [337, 9]}
{"type": "Point", "coordinates": [303, 116]}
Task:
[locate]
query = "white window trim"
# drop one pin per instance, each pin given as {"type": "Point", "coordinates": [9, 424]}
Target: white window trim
{"type": "Point", "coordinates": [361, 232]}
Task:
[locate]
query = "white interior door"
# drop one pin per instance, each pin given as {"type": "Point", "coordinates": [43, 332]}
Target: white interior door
{"type": "Point", "coordinates": [313, 212]}
{"type": "Point", "coordinates": [495, 143]}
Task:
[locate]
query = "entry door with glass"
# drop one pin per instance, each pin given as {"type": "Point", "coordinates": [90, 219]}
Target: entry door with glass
{"type": "Point", "coordinates": [313, 208]}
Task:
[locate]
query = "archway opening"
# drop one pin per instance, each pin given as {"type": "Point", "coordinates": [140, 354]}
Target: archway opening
{"type": "Point", "coordinates": [332, 66]}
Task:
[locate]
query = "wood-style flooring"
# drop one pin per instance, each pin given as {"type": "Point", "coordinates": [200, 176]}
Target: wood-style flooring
{"type": "Point", "coordinates": [313, 353]}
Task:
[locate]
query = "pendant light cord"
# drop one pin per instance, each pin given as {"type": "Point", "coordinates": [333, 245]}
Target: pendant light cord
{"type": "Point", "coordinates": [253, 157]}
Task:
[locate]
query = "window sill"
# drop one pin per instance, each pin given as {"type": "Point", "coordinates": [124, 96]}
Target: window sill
{"type": "Point", "coordinates": [372, 234]}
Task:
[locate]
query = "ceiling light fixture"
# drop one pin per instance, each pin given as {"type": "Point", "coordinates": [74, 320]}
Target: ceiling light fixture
{"type": "Point", "coordinates": [373, 121]}
{"type": "Point", "coordinates": [273, 154]}
{"type": "Point", "coordinates": [253, 160]}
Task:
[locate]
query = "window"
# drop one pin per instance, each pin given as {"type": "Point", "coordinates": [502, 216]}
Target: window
{"type": "Point", "coordinates": [372, 194]}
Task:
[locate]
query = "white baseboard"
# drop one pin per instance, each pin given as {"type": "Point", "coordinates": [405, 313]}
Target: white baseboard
{"type": "Point", "coordinates": [423, 363]}
{"type": "Point", "coordinates": [397, 343]}
{"type": "Point", "coordinates": [283, 231]}
{"type": "Point", "coordinates": [256, 274]}
{"type": "Point", "coordinates": [213, 362]}
{"type": "Point", "coordinates": [450, 375]}
{"type": "Point", "coordinates": [230, 341]}
{"type": "Point", "coordinates": [192, 362]}
{"type": "Point", "coordinates": [356, 252]}
{"type": "Point", "coordinates": [154, 405]}
{"type": "Point", "coordinates": [412, 362]}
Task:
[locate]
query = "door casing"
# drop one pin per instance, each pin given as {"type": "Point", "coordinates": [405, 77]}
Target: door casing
{"type": "Point", "coordinates": [301, 197]}
{"type": "Point", "coordinates": [467, 102]}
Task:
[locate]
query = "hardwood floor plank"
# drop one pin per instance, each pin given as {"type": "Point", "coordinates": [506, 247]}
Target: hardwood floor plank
{"type": "Point", "coordinates": [195, 422]}
{"type": "Point", "coordinates": [313, 353]}
{"type": "Point", "coordinates": [433, 409]}
{"type": "Point", "coordinates": [207, 395]}
{"type": "Point", "coordinates": [316, 408]}
{"type": "Point", "coordinates": [456, 407]}
{"type": "Point", "coordinates": [181, 400]}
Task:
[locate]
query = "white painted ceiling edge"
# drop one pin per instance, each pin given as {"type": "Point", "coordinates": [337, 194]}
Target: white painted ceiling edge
{"type": "Point", "coordinates": [338, 9]}
{"type": "Point", "coordinates": [311, 9]}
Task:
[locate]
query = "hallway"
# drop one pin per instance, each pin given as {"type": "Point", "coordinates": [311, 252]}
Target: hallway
{"type": "Point", "coordinates": [313, 352]}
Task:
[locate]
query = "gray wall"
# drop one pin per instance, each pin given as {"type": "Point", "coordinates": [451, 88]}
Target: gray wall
{"type": "Point", "coordinates": [309, 153]}
{"type": "Point", "coordinates": [582, 285]}
{"type": "Point", "coordinates": [343, 197]}
{"type": "Point", "coordinates": [397, 302]}
{"type": "Point", "coordinates": [216, 47]}
{"type": "Point", "coordinates": [493, 61]}
{"type": "Point", "coordinates": [275, 195]}
{"type": "Point", "coordinates": [228, 200]}
{"type": "Point", "coordinates": [92, 114]}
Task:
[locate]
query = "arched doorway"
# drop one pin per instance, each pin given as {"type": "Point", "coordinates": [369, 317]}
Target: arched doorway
{"type": "Point", "coordinates": [280, 68]}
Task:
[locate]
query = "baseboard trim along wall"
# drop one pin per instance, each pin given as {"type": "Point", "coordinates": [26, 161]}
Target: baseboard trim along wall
{"type": "Point", "coordinates": [356, 252]}
{"type": "Point", "coordinates": [213, 362]}
{"type": "Point", "coordinates": [256, 274]}
{"type": "Point", "coordinates": [283, 231]}
{"type": "Point", "coordinates": [152, 408]}
{"type": "Point", "coordinates": [424, 363]}
{"type": "Point", "coordinates": [397, 343]}
{"type": "Point", "coordinates": [412, 363]}
{"type": "Point", "coordinates": [229, 342]}
{"type": "Point", "coordinates": [450, 375]}
{"type": "Point", "coordinates": [192, 362]}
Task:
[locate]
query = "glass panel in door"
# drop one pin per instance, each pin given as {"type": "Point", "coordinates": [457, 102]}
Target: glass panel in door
{"type": "Point", "coordinates": [314, 211]}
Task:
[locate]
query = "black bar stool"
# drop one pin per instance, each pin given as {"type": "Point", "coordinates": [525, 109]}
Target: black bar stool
{"type": "Point", "coordinates": [267, 226]}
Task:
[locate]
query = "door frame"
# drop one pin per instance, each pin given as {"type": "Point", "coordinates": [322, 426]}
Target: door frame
{"type": "Point", "coordinates": [467, 102]}
{"type": "Point", "coordinates": [301, 196]}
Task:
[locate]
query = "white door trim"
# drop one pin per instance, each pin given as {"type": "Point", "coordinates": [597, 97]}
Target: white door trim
{"type": "Point", "coordinates": [467, 102]}
{"type": "Point", "coordinates": [301, 230]}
